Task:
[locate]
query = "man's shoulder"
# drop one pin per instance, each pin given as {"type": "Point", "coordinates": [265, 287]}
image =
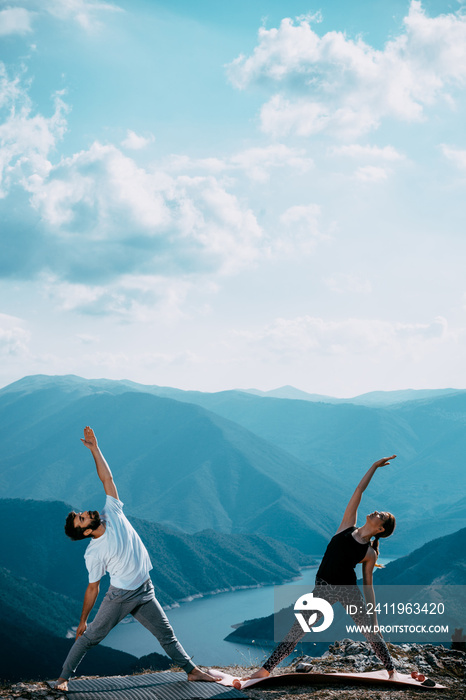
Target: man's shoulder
{"type": "Point", "coordinates": [113, 505]}
{"type": "Point", "coordinates": [113, 509]}
{"type": "Point", "coordinates": [89, 551]}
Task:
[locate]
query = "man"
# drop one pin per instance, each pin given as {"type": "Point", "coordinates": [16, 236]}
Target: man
{"type": "Point", "coordinates": [117, 548]}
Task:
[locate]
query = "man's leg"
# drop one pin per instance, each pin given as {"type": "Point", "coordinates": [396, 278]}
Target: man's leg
{"type": "Point", "coordinates": [151, 615]}
{"type": "Point", "coordinates": [110, 613]}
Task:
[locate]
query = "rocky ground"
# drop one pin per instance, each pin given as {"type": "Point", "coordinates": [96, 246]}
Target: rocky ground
{"type": "Point", "coordinates": [446, 666]}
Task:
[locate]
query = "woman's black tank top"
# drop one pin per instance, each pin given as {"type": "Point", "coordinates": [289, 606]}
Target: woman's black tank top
{"type": "Point", "coordinates": [341, 556]}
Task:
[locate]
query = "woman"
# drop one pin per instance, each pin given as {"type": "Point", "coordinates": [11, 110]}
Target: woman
{"type": "Point", "coordinates": [336, 577]}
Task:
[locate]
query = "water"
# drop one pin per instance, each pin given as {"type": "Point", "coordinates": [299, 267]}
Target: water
{"type": "Point", "coordinates": [202, 624]}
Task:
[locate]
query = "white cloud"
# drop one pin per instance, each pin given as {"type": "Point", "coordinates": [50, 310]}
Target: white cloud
{"type": "Point", "coordinates": [183, 163]}
{"type": "Point", "coordinates": [131, 298]}
{"type": "Point", "coordinates": [86, 13]}
{"type": "Point", "coordinates": [218, 222]}
{"type": "Point", "coordinates": [456, 155]}
{"type": "Point", "coordinates": [359, 152]}
{"type": "Point", "coordinates": [134, 142]}
{"type": "Point", "coordinates": [26, 139]}
{"type": "Point", "coordinates": [309, 335]}
{"type": "Point", "coordinates": [10, 89]}
{"type": "Point", "coordinates": [371, 173]}
{"type": "Point", "coordinates": [144, 220]}
{"type": "Point", "coordinates": [281, 116]}
{"type": "Point", "coordinates": [256, 163]}
{"type": "Point", "coordinates": [15, 20]}
{"type": "Point", "coordinates": [124, 363]}
{"type": "Point", "coordinates": [346, 86]}
{"type": "Point", "coordinates": [303, 215]}
{"type": "Point", "coordinates": [102, 217]}
{"type": "Point", "coordinates": [368, 154]}
{"type": "Point", "coordinates": [91, 190]}
{"type": "Point", "coordinates": [301, 229]}
{"type": "Point", "coordinates": [14, 339]}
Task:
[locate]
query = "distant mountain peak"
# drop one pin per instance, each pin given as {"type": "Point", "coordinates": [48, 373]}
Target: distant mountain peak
{"type": "Point", "coordinates": [290, 392]}
{"type": "Point", "coordinates": [371, 398]}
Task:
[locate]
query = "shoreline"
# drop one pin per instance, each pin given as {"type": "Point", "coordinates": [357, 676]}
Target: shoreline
{"type": "Point", "coordinates": [196, 596]}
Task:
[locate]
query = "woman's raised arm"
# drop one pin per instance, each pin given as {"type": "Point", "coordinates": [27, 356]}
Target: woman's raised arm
{"type": "Point", "coordinates": [351, 513]}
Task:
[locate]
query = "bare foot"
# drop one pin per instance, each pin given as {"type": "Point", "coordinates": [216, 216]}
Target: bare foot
{"type": "Point", "coordinates": [261, 673]}
{"type": "Point", "coordinates": [197, 675]}
{"type": "Point", "coordinates": [61, 684]}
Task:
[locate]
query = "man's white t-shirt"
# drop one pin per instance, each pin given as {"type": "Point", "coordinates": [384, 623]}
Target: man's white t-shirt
{"type": "Point", "coordinates": [119, 551]}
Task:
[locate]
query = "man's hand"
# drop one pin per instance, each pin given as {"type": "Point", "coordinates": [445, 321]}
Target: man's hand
{"type": "Point", "coordinates": [383, 462]}
{"type": "Point", "coordinates": [90, 439]}
{"type": "Point", "coordinates": [82, 627]}
{"type": "Point", "coordinates": [103, 470]}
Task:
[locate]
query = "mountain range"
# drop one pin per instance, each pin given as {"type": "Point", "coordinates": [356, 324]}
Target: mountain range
{"type": "Point", "coordinates": [372, 398]}
{"type": "Point", "coordinates": [235, 461]}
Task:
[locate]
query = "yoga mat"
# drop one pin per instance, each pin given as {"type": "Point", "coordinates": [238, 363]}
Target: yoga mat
{"type": "Point", "coordinates": [167, 685]}
{"type": "Point", "coordinates": [379, 678]}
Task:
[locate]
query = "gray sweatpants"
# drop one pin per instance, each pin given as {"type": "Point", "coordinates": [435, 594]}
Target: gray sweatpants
{"type": "Point", "coordinates": [144, 607]}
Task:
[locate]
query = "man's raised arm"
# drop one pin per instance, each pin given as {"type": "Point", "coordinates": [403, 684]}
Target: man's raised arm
{"type": "Point", "coordinates": [103, 470]}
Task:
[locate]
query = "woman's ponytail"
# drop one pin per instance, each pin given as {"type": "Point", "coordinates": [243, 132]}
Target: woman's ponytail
{"type": "Point", "coordinates": [375, 547]}
{"type": "Point", "coordinates": [389, 526]}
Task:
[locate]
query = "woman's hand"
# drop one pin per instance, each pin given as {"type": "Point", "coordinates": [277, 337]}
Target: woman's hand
{"type": "Point", "coordinates": [351, 512]}
{"type": "Point", "coordinates": [383, 462]}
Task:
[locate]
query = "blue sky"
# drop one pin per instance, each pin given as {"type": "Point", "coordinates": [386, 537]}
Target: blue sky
{"type": "Point", "coordinates": [216, 195]}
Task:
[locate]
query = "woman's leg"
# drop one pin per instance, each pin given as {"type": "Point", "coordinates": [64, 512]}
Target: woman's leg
{"type": "Point", "coordinates": [296, 633]}
{"type": "Point", "coordinates": [351, 595]}
{"type": "Point", "coordinates": [285, 647]}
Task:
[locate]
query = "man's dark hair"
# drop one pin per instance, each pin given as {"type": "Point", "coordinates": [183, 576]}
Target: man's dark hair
{"type": "Point", "coordinates": [74, 533]}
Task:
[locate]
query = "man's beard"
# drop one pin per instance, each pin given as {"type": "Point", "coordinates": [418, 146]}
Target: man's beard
{"type": "Point", "coordinates": [95, 520]}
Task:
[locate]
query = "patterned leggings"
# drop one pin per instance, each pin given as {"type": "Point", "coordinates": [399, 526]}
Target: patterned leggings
{"type": "Point", "coordinates": [346, 595]}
